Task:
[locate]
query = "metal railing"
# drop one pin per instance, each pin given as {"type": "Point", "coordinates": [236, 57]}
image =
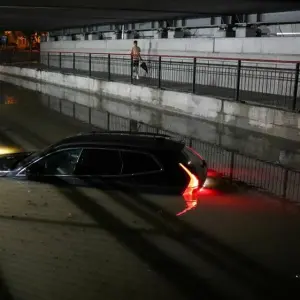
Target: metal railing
{"type": "Point", "coordinates": [266, 82]}
{"type": "Point", "coordinates": [12, 55]}
{"type": "Point", "coordinates": [267, 176]}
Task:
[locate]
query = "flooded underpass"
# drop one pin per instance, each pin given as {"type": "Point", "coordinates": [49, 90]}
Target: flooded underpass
{"type": "Point", "coordinates": [79, 243]}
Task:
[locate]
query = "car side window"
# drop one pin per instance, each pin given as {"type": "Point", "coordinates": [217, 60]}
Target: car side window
{"type": "Point", "coordinates": [58, 163]}
{"type": "Point", "coordinates": [99, 162]}
{"type": "Point", "coordinates": [137, 163]}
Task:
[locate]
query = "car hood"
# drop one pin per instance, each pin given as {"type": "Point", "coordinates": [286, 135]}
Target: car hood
{"type": "Point", "coordinates": [9, 161]}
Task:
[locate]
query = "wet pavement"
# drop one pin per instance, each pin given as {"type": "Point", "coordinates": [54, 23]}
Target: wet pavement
{"type": "Point", "coordinates": [253, 144]}
{"type": "Point", "coordinates": [78, 243]}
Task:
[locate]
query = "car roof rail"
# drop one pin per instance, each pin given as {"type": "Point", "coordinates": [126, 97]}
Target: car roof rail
{"type": "Point", "coordinates": [136, 133]}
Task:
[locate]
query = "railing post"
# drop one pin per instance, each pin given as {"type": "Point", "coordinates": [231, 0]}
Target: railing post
{"type": "Point", "coordinates": [133, 126]}
{"type": "Point", "coordinates": [74, 61]}
{"type": "Point", "coordinates": [108, 121]}
{"type": "Point", "coordinates": [159, 72]}
{"type": "Point", "coordinates": [108, 67]}
{"type": "Point", "coordinates": [60, 106]}
{"type": "Point", "coordinates": [60, 60]}
{"type": "Point", "coordinates": [296, 83]}
{"type": "Point", "coordinates": [48, 59]}
{"type": "Point", "coordinates": [191, 142]}
{"type": "Point", "coordinates": [231, 166]}
{"type": "Point", "coordinates": [238, 80]}
{"type": "Point", "coordinates": [90, 64]}
{"type": "Point", "coordinates": [285, 182]}
{"type": "Point", "coordinates": [74, 110]}
{"type": "Point", "coordinates": [194, 75]}
{"type": "Point", "coordinates": [90, 116]}
{"type": "Point", "coordinates": [131, 69]}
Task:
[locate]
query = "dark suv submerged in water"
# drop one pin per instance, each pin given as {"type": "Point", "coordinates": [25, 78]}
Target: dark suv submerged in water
{"type": "Point", "coordinates": [145, 162]}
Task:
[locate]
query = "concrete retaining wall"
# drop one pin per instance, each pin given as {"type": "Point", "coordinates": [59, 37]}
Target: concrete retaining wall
{"type": "Point", "coordinates": [254, 118]}
{"type": "Point", "coordinates": [270, 78]}
{"type": "Point", "coordinates": [258, 48]}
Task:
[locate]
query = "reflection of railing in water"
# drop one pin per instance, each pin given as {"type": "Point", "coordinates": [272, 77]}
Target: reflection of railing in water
{"type": "Point", "coordinates": [18, 56]}
{"type": "Point", "coordinates": [270, 177]}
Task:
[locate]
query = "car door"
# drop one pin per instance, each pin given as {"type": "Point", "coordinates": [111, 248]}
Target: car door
{"type": "Point", "coordinates": [143, 169]}
{"type": "Point", "coordinates": [158, 170]}
{"type": "Point", "coordinates": [99, 167]}
{"type": "Point", "coordinates": [55, 168]}
{"type": "Point", "coordinates": [157, 178]}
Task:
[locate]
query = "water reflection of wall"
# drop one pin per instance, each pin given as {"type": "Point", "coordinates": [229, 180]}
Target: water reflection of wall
{"type": "Point", "coordinates": [244, 141]}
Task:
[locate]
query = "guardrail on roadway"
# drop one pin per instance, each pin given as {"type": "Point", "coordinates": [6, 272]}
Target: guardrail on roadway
{"type": "Point", "coordinates": [266, 82]}
{"type": "Point", "coordinates": [267, 176]}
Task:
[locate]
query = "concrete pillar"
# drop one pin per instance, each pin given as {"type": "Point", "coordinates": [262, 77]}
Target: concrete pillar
{"type": "Point", "coordinates": [220, 33]}
{"type": "Point", "coordinates": [156, 34]}
{"type": "Point", "coordinates": [244, 31]}
{"type": "Point", "coordinates": [117, 35]}
{"type": "Point", "coordinates": [64, 38]}
{"type": "Point", "coordinates": [240, 32]}
{"type": "Point", "coordinates": [93, 37]}
{"type": "Point", "coordinates": [80, 37]}
{"type": "Point", "coordinates": [171, 34]}
{"type": "Point", "coordinates": [47, 37]}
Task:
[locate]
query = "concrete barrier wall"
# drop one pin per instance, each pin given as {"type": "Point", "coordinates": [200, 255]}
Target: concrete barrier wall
{"type": "Point", "coordinates": [257, 48]}
{"type": "Point", "coordinates": [274, 122]}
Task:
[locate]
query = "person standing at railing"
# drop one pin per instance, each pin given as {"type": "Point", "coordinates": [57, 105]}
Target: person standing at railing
{"type": "Point", "coordinates": [136, 57]}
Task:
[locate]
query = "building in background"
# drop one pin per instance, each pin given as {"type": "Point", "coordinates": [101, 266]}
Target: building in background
{"type": "Point", "coordinates": [21, 40]}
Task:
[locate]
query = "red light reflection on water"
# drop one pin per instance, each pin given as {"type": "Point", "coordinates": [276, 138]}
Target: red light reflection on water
{"type": "Point", "coordinates": [251, 202]}
{"type": "Point", "coordinates": [191, 202]}
{"type": "Point", "coordinates": [237, 200]}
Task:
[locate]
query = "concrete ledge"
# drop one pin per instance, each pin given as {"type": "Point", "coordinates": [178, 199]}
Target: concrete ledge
{"type": "Point", "coordinates": [270, 121]}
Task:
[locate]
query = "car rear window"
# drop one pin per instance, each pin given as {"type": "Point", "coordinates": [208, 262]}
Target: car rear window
{"type": "Point", "coordinates": [136, 162]}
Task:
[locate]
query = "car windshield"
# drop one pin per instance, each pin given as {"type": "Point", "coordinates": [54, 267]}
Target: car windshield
{"type": "Point", "coordinates": [32, 157]}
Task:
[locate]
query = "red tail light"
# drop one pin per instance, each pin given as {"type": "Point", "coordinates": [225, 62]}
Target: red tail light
{"type": "Point", "coordinates": [192, 189]}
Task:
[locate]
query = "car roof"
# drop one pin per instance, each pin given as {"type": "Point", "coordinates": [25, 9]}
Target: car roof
{"type": "Point", "coordinates": [140, 140]}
